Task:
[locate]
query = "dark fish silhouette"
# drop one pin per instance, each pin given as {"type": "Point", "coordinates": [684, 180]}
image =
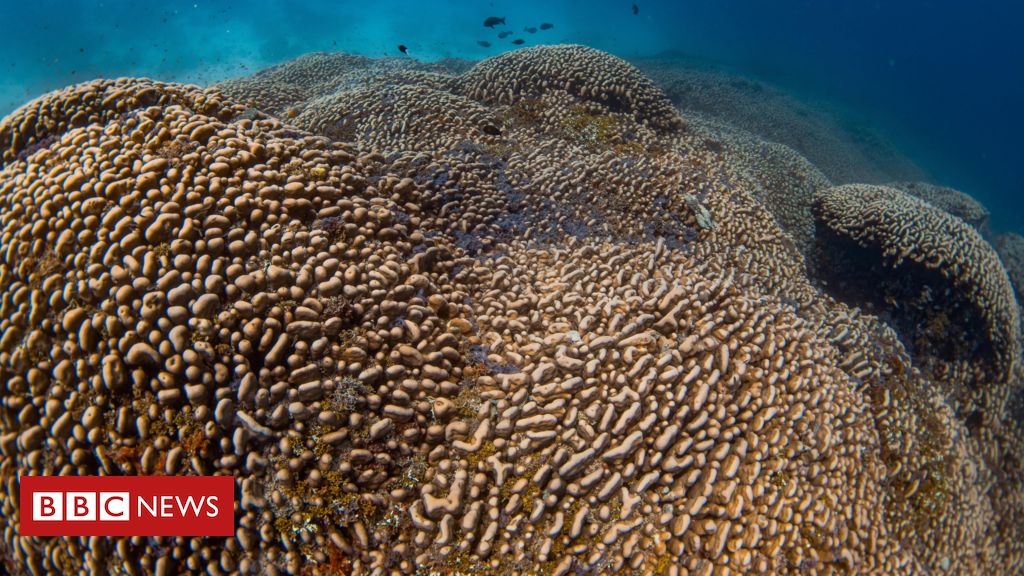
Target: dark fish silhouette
{"type": "Point", "coordinates": [636, 9]}
{"type": "Point", "coordinates": [491, 130]}
{"type": "Point", "coordinates": [530, 29]}
{"type": "Point", "coordinates": [519, 41]}
{"type": "Point", "coordinates": [504, 34]}
{"type": "Point", "coordinates": [403, 48]}
{"type": "Point", "coordinates": [484, 43]}
{"type": "Point", "coordinates": [547, 26]}
{"type": "Point", "coordinates": [493, 21]}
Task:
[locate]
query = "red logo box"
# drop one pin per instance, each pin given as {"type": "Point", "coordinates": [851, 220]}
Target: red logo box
{"type": "Point", "coordinates": [127, 506]}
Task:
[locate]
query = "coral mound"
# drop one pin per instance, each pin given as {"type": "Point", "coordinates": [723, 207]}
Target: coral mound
{"type": "Point", "coordinates": [37, 124]}
{"type": "Point", "coordinates": [953, 201]}
{"type": "Point", "coordinates": [501, 320]}
{"type": "Point", "coordinates": [581, 71]}
{"type": "Point", "coordinates": [911, 237]}
{"type": "Point", "coordinates": [402, 117]}
{"type": "Point", "coordinates": [282, 90]}
{"type": "Point", "coordinates": [1011, 250]}
{"type": "Point", "coordinates": [779, 177]}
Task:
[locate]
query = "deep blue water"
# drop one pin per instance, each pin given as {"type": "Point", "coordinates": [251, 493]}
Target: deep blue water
{"type": "Point", "coordinates": [943, 79]}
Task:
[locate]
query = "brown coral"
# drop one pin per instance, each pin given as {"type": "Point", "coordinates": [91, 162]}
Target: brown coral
{"type": "Point", "coordinates": [585, 343]}
{"type": "Point", "coordinates": [953, 201]}
{"type": "Point", "coordinates": [39, 123]}
{"type": "Point", "coordinates": [283, 89]}
{"type": "Point", "coordinates": [1010, 247]}
{"type": "Point", "coordinates": [581, 71]}
{"type": "Point", "coordinates": [397, 117]}
{"type": "Point", "coordinates": [779, 177]}
{"type": "Point", "coordinates": [911, 237]}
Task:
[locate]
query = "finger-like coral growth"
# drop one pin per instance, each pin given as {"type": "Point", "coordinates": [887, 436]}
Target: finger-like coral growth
{"type": "Point", "coordinates": [401, 117]}
{"type": "Point", "coordinates": [953, 201]}
{"type": "Point", "coordinates": [944, 277]}
{"type": "Point", "coordinates": [40, 123]}
{"type": "Point", "coordinates": [1010, 247]}
{"type": "Point", "coordinates": [583, 72]}
{"type": "Point", "coordinates": [500, 320]}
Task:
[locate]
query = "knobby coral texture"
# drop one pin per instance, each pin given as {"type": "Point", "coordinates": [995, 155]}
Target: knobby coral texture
{"type": "Point", "coordinates": [953, 201]}
{"type": "Point", "coordinates": [519, 317]}
{"type": "Point", "coordinates": [1011, 250]}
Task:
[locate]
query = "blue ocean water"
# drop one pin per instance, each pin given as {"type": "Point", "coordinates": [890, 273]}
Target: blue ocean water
{"type": "Point", "coordinates": [943, 79]}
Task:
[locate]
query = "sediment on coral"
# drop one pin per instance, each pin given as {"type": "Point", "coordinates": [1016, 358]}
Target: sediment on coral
{"type": "Point", "coordinates": [502, 318]}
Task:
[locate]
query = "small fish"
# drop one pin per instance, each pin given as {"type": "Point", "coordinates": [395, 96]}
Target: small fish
{"type": "Point", "coordinates": [504, 34]}
{"type": "Point", "coordinates": [636, 9]}
{"type": "Point", "coordinates": [547, 26]}
{"type": "Point", "coordinates": [403, 48]}
{"type": "Point", "coordinates": [484, 43]}
{"type": "Point", "coordinates": [493, 21]}
{"type": "Point", "coordinates": [530, 29]}
{"type": "Point", "coordinates": [519, 41]}
{"type": "Point", "coordinates": [491, 130]}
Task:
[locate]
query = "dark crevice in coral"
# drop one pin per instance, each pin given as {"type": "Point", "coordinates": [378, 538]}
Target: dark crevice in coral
{"type": "Point", "coordinates": [935, 323]}
{"type": "Point", "coordinates": [35, 147]}
{"type": "Point", "coordinates": [973, 421]}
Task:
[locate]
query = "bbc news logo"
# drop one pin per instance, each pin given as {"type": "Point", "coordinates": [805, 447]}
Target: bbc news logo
{"type": "Point", "coordinates": [82, 506]}
{"type": "Point", "coordinates": [127, 506]}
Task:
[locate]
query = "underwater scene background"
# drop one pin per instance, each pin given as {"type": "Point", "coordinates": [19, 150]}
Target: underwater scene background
{"type": "Point", "coordinates": [487, 287]}
{"type": "Point", "coordinates": [940, 78]}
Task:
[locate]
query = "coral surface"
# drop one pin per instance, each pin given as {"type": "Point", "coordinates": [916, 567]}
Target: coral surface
{"type": "Point", "coordinates": [516, 318]}
{"type": "Point", "coordinates": [953, 201]}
